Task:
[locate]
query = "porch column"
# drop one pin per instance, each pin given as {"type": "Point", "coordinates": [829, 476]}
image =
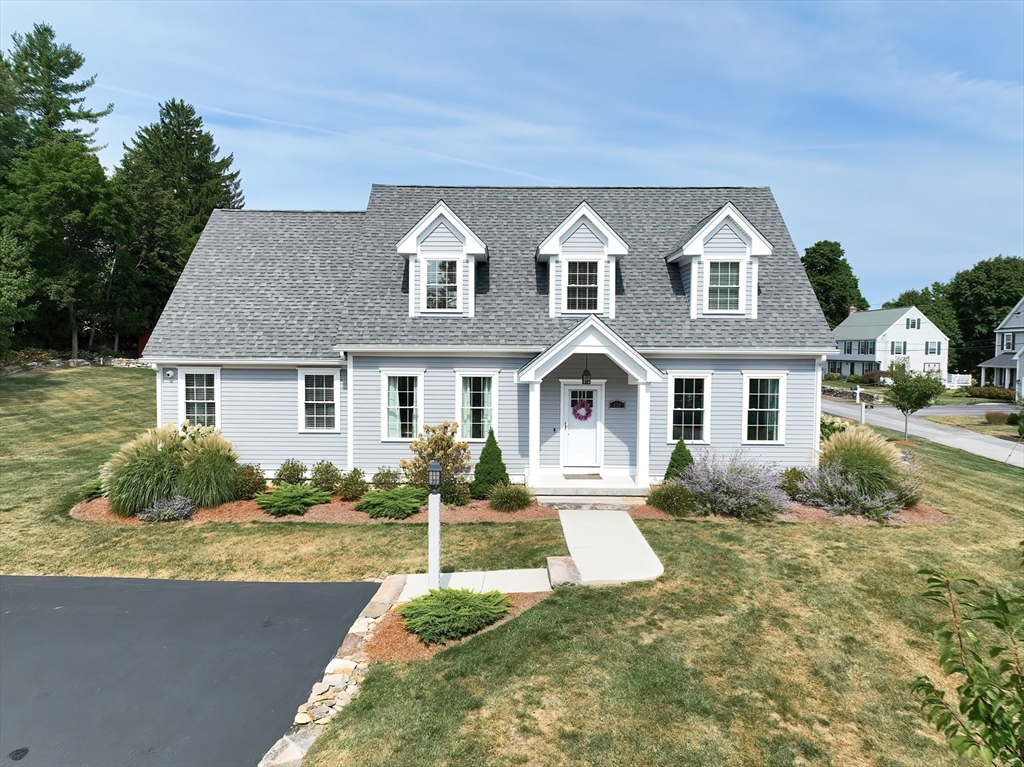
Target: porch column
{"type": "Point", "coordinates": [643, 434]}
{"type": "Point", "coordinates": [982, 376]}
{"type": "Point", "coordinates": [534, 465]}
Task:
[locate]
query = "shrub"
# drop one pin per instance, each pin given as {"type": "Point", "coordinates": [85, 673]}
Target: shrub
{"type": "Point", "coordinates": [837, 491]}
{"type": "Point", "coordinates": [1013, 419]}
{"type": "Point", "coordinates": [792, 478]}
{"type": "Point", "coordinates": [291, 472]}
{"type": "Point", "coordinates": [291, 499]}
{"type": "Point", "coordinates": [490, 470]}
{"type": "Point", "coordinates": [324, 476]}
{"type": "Point", "coordinates": [677, 464]}
{"type": "Point", "coordinates": [249, 482]}
{"type": "Point", "coordinates": [397, 503]}
{"type": "Point", "coordinates": [855, 379]}
{"type": "Point", "coordinates": [866, 455]}
{"type": "Point", "coordinates": [447, 614]}
{"type": "Point", "coordinates": [737, 487]}
{"type": "Point", "coordinates": [508, 497]}
{"type": "Point", "coordinates": [209, 470]}
{"type": "Point", "coordinates": [963, 391]}
{"type": "Point", "coordinates": [832, 377]}
{"type": "Point", "coordinates": [831, 425]}
{"type": "Point", "coordinates": [386, 479]}
{"type": "Point", "coordinates": [169, 510]}
{"type": "Point", "coordinates": [874, 377]}
{"type": "Point", "coordinates": [143, 471]}
{"type": "Point", "coordinates": [672, 498]}
{"type": "Point", "coordinates": [996, 418]}
{"type": "Point", "coordinates": [352, 485]}
{"type": "Point", "coordinates": [992, 392]}
{"type": "Point", "coordinates": [439, 443]}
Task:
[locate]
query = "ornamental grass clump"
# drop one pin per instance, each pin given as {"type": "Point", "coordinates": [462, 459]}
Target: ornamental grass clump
{"type": "Point", "coordinates": [508, 497]}
{"type": "Point", "coordinates": [291, 500]}
{"type": "Point", "coordinates": [143, 471]}
{"type": "Point", "coordinates": [672, 498]}
{"type": "Point", "coordinates": [397, 503]}
{"type": "Point", "coordinates": [736, 487]}
{"type": "Point", "coordinates": [173, 509]}
{"type": "Point", "coordinates": [866, 455]}
{"type": "Point", "coordinates": [209, 470]}
{"type": "Point", "coordinates": [447, 614]}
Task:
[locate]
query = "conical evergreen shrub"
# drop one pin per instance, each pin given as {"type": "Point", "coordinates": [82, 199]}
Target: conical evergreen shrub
{"type": "Point", "coordinates": [677, 464]}
{"type": "Point", "coordinates": [490, 470]}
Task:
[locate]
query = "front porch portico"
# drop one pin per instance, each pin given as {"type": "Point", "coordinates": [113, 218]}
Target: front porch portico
{"type": "Point", "coordinates": [581, 433]}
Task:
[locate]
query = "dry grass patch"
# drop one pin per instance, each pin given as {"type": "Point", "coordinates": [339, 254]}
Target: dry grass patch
{"type": "Point", "coordinates": [976, 423]}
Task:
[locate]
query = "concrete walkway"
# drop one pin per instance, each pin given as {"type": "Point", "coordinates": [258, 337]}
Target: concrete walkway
{"type": "Point", "coordinates": [607, 547]}
{"type": "Point", "coordinates": [505, 581]}
{"type": "Point", "coordinates": [952, 436]}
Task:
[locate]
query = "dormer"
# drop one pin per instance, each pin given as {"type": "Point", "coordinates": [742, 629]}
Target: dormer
{"type": "Point", "coordinates": [442, 253]}
{"type": "Point", "coordinates": [718, 261]}
{"type": "Point", "coordinates": [581, 254]}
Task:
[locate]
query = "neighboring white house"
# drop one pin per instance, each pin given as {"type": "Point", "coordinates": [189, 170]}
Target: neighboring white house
{"type": "Point", "coordinates": [591, 328]}
{"type": "Point", "coordinates": [1006, 369]}
{"type": "Point", "coordinates": [871, 340]}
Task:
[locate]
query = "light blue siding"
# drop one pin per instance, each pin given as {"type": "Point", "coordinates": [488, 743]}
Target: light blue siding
{"type": "Point", "coordinates": [583, 242]}
{"type": "Point", "coordinates": [725, 243]}
{"type": "Point", "coordinates": [441, 240]}
{"type": "Point", "coordinates": [726, 410]}
{"type": "Point", "coordinates": [168, 396]}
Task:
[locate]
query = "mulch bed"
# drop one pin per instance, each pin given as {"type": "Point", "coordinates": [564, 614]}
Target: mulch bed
{"type": "Point", "coordinates": [343, 512]}
{"type": "Point", "coordinates": [921, 514]}
{"type": "Point", "coordinates": [391, 643]}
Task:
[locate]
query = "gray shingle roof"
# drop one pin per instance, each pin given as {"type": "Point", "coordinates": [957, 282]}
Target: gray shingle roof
{"type": "Point", "coordinates": [295, 284]}
{"type": "Point", "coordinates": [1001, 360]}
{"type": "Point", "coordinates": [869, 324]}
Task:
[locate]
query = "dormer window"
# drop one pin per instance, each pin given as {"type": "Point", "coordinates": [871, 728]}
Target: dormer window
{"type": "Point", "coordinates": [581, 293]}
{"type": "Point", "coordinates": [723, 286]}
{"type": "Point", "coordinates": [441, 285]}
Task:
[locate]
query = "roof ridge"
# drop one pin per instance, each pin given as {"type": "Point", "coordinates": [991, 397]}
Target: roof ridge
{"type": "Point", "coordinates": [284, 210]}
{"type": "Point", "coordinates": [554, 186]}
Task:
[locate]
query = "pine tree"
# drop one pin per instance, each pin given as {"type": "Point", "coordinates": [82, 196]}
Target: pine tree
{"type": "Point", "coordinates": [490, 470]}
{"type": "Point", "coordinates": [677, 464]}
{"type": "Point", "coordinates": [833, 281]}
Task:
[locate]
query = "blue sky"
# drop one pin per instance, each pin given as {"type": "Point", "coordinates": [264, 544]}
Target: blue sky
{"type": "Point", "coordinates": [897, 129]}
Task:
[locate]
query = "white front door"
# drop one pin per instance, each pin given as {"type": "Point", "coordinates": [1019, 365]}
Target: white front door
{"type": "Point", "coordinates": [582, 414]}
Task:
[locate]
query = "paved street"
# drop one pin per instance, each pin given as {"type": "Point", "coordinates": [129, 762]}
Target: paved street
{"type": "Point", "coordinates": [125, 671]}
{"type": "Point", "coordinates": [952, 436]}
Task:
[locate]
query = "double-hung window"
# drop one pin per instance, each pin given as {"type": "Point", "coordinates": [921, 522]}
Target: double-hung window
{"type": "Point", "coordinates": [723, 286]}
{"type": "Point", "coordinates": [764, 407]}
{"type": "Point", "coordinates": [913, 323]}
{"type": "Point", "coordinates": [477, 405]}
{"type": "Point", "coordinates": [688, 419]}
{"type": "Point", "coordinates": [442, 285]}
{"type": "Point", "coordinates": [847, 347]}
{"type": "Point", "coordinates": [402, 409]}
{"type": "Point", "coordinates": [199, 397]}
{"type": "Point", "coordinates": [581, 286]}
{"type": "Point", "coordinates": [933, 347]}
{"type": "Point", "coordinates": [898, 347]}
{"type": "Point", "coordinates": [835, 366]}
{"type": "Point", "coordinates": [319, 395]}
{"type": "Point", "coordinates": [867, 347]}
{"type": "Point", "coordinates": [1008, 340]}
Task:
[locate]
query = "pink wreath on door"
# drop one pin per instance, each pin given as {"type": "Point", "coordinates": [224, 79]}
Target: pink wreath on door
{"type": "Point", "coordinates": [582, 409]}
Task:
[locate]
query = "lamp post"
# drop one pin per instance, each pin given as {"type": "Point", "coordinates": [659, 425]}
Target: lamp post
{"type": "Point", "coordinates": [434, 526]}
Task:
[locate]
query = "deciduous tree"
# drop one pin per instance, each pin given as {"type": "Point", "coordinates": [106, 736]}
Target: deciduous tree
{"type": "Point", "coordinates": [981, 297]}
{"type": "Point", "coordinates": [910, 391]}
{"type": "Point", "coordinates": [833, 281]}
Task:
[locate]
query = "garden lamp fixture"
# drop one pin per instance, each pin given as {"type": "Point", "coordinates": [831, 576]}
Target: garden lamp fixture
{"type": "Point", "coordinates": [434, 476]}
{"type": "Point", "coordinates": [585, 378]}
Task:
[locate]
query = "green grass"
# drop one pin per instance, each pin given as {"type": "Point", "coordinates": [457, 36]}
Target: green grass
{"type": "Point", "coordinates": [942, 399]}
{"type": "Point", "coordinates": [59, 426]}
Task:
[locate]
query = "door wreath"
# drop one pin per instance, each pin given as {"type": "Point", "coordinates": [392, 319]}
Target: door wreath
{"type": "Point", "coordinates": [582, 409]}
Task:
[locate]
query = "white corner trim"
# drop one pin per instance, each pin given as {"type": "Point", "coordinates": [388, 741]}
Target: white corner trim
{"type": "Point", "coordinates": [611, 287]}
{"type": "Point", "coordinates": [749, 375]}
{"type": "Point", "coordinates": [159, 395]}
{"type": "Point", "coordinates": [350, 447]}
{"type": "Point", "coordinates": [552, 244]}
{"type": "Point", "coordinates": [758, 244]}
{"type": "Point", "coordinates": [494, 375]}
{"type": "Point", "coordinates": [418, 374]}
{"type": "Point", "coordinates": [552, 289]}
{"type": "Point", "coordinates": [470, 267]}
{"type": "Point", "coordinates": [706, 376]}
{"type": "Point", "coordinates": [218, 411]}
{"type": "Point", "coordinates": [410, 243]}
{"type": "Point", "coordinates": [412, 286]}
{"type": "Point", "coordinates": [816, 449]}
{"type": "Point", "coordinates": [753, 287]}
{"type": "Point", "coordinates": [693, 287]}
{"type": "Point", "coordinates": [335, 373]}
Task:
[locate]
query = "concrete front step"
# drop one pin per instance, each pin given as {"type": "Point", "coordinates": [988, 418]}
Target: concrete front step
{"type": "Point", "coordinates": [602, 503]}
{"type": "Point", "coordinates": [562, 571]}
{"type": "Point", "coordinates": [613, 492]}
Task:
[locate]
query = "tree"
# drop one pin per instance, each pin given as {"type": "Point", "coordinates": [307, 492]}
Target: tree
{"type": "Point", "coordinates": [833, 281]}
{"type": "Point", "coordinates": [934, 304]}
{"type": "Point", "coordinates": [910, 391]}
{"type": "Point", "coordinates": [17, 283]}
{"type": "Point", "coordinates": [45, 95]}
{"type": "Point", "coordinates": [981, 297]}
{"type": "Point", "coordinates": [678, 462]}
{"type": "Point", "coordinates": [58, 207]}
{"type": "Point", "coordinates": [490, 469]}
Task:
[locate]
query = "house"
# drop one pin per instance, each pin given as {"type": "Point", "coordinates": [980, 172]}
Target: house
{"type": "Point", "coordinates": [592, 328]}
{"type": "Point", "coordinates": [871, 340]}
{"type": "Point", "coordinates": [1006, 369]}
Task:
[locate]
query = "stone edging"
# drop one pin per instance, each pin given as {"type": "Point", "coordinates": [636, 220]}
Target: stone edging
{"type": "Point", "coordinates": [340, 682]}
{"type": "Point", "coordinates": [841, 393]}
{"type": "Point", "coordinates": [117, 362]}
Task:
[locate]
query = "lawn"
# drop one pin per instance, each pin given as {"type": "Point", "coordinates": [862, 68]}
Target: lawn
{"type": "Point", "coordinates": [977, 423]}
{"type": "Point", "coordinates": [59, 426]}
{"type": "Point", "coordinates": [776, 644]}
{"type": "Point", "coordinates": [945, 398]}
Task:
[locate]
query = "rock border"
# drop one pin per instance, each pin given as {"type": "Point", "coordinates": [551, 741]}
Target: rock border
{"type": "Point", "coordinates": [340, 682]}
{"type": "Point", "coordinates": [117, 362]}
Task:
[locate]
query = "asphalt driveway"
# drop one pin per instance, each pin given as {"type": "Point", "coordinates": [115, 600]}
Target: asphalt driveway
{"type": "Point", "coordinates": [126, 671]}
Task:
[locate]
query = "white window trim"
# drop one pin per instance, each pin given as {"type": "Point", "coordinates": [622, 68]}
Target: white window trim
{"type": "Point", "coordinates": [600, 261]}
{"type": "Point", "coordinates": [673, 375]}
{"type": "Point", "coordinates": [301, 381]}
{"type": "Point", "coordinates": [742, 286]}
{"type": "Point", "coordinates": [494, 376]}
{"type": "Point", "coordinates": [219, 412]}
{"type": "Point", "coordinates": [384, 374]}
{"type": "Point", "coordinates": [460, 266]}
{"type": "Point", "coordinates": [748, 375]}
